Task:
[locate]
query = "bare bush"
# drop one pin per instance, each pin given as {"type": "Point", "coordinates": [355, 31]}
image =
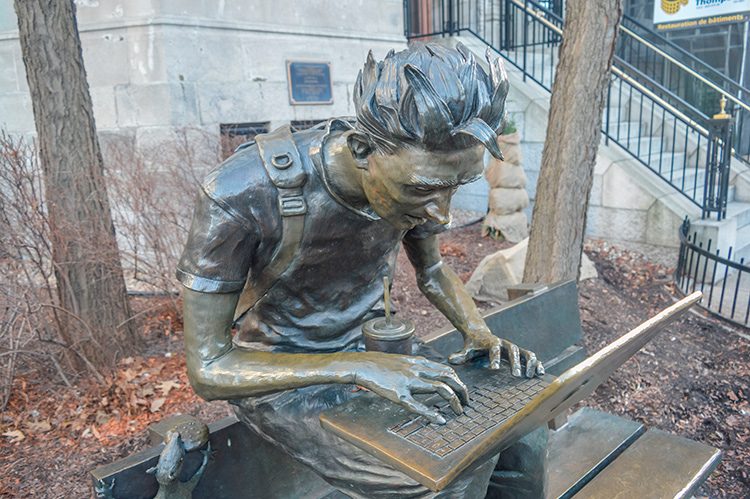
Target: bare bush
{"type": "Point", "coordinates": [29, 309]}
{"type": "Point", "coordinates": [151, 194]}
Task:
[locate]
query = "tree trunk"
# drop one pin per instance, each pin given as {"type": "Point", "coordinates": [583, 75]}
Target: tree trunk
{"type": "Point", "coordinates": [90, 283]}
{"type": "Point", "coordinates": [573, 134]}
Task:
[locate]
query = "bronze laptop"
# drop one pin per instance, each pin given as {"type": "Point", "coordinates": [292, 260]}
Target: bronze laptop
{"type": "Point", "coordinates": [502, 409]}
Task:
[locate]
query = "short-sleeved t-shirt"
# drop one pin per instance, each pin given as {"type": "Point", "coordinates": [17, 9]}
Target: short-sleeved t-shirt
{"type": "Point", "coordinates": [334, 280]}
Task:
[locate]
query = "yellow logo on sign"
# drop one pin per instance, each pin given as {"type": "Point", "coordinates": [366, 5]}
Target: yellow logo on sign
{"type": "Point", "coordinates": [672, 6]}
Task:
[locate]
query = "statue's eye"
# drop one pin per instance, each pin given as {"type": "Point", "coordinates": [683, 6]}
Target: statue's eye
{"type": "Point", "coordinates": [421, 190]}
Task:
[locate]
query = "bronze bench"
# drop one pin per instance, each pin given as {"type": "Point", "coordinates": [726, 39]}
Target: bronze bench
{"type": "Point", "coordinates": [591, 454]}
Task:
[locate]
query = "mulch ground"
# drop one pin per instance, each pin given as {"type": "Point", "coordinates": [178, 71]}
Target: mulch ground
{"type": "Point", "coordinates": [694, 380]}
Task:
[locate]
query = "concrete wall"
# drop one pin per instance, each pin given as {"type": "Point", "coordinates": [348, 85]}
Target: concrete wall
{"type": "Point", "coordinates": [157, 65]}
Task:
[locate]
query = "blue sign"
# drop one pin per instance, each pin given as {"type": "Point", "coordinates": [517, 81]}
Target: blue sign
{"type": "Point", "coordinates": [309, 82]}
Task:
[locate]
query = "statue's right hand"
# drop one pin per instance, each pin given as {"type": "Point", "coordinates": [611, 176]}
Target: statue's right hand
{"type": "Point", "coordinates": [399, 377]}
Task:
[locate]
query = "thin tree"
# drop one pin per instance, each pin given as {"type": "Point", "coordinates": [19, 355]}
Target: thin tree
{"type": "Point", "coordinates": [93, 310]}
{"type": "Point", "coordinates": [573, 134]}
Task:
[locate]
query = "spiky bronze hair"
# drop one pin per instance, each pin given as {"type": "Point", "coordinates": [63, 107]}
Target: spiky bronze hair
{"type": "Point", "coordinates": [433, 96]}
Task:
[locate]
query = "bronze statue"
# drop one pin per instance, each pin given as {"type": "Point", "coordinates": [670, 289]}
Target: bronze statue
{"type": "Point", "coordinates": [167, 470]}
{"type": "Point", "coordinates": [291, 239]}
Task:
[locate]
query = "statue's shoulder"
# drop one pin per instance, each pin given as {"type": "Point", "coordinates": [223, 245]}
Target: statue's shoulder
{"type": "Point", "coordinates": [243, 176]}
{"type": "Point", "coordinates": [240, 177]}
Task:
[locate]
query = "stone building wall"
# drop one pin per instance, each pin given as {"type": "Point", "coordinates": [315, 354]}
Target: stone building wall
{"type": "Point", "coordinates": [158, 65]}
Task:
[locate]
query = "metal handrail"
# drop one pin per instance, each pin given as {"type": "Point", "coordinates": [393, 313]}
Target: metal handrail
{"type": "Point", "coordinates": [656, 134]}
{"type": "Point", "coordinates": [632, 81]}
{"type": "Point", "coordinates": [687, 55]}
{"type": "Point", "coordinates": [682, 66]}
{"type": "Point", "coordinates": [539, 14]}
{"type": "Point", "coordinates": [740, 149]}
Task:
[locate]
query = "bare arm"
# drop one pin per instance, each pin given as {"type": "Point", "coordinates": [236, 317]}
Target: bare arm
{"type": "Point", "coordinates": [446, 291]}
{"type": "Point", "coordinates": [218, 370]}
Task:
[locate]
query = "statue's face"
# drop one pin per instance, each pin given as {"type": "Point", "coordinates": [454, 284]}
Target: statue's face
{"type": "Point", "coordinates": [413, 185]}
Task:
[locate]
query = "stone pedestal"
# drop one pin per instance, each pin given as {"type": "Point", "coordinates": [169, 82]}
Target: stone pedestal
{"type": "Point", "coordinates": [504, 269]}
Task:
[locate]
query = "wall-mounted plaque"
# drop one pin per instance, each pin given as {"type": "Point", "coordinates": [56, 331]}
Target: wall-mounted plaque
{"type": "Point", "coordinates": [309, 82]}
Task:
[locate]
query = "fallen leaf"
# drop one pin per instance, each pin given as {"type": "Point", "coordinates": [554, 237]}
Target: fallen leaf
{"type": "Point", "coordinates": [39, 427]}
{"type": "Point", "coordinates": [101, 417]}
{"type": "Point", "coordinates": [733, 420]}
{"type": "Point", "coordinates": [166, 386]}
{"type": "Point", "coordinates": [157, 403]}
{"type": "Point", "coordinates": [15, 436]}
{"type": "Point", "coordinates": [129, 374]}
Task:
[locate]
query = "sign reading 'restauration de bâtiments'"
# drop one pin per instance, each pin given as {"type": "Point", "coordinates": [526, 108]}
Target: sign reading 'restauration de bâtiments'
{"type": "Point", "coordinates": [681, 14]}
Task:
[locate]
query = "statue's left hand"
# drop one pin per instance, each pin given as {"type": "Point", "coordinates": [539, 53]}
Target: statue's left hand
{"type": "Point", "coordinates": [483, 342]}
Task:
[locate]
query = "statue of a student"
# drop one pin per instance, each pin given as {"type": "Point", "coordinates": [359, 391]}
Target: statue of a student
{"type": "Point", "coordinates": [291, 239]}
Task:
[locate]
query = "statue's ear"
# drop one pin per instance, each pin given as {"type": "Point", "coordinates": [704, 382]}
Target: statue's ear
{"type": "Point", "coordinates": [360, 146]}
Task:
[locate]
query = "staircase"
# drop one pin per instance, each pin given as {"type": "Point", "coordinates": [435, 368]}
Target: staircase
{"type": "Point", "coordinates": [662, 156]}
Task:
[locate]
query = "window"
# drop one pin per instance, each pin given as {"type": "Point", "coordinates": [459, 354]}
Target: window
{"type": "Point", "coordinates": [234, 134]}
{"type": "Point", "coordinates": [299, 125]}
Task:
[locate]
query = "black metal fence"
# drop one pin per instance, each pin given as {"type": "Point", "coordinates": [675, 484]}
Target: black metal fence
{"type": "Point", "coordinates": [670, 141]}
{"type": "Point", "coordinates": [724, 281]}
{"type": "Point", "coordinates": [685, 79]}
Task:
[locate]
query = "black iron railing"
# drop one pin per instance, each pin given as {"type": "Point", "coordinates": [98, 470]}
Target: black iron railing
{"type": "Point", "coordinates": [670, 137]}
{"type": "Point", "coordinates": [685, 79]}
{"type": "Point", "coordinates": [724, 280]}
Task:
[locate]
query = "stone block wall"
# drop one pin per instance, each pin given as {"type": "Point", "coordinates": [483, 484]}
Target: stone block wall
{"type": "Point", "coordinates": [159, 65]}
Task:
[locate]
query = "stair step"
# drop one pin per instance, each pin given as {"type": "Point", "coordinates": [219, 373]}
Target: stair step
{"type": "Point", "coordinates": [665, 161]}
{"type": "Point", "coordinates": [667, 168]}
{"type": "Point", "coordinates": [740, 211]}
{"type": "Point", "coordinates": [743, 238]}
{"type": "Point", "coordinates": [741, 247]}
{"type": "Point", "coordinates": [642, 146]}
{"type": "Point", "coordinates": [689, 181]}
{"type": "Point", "coordinates": [625, 130]}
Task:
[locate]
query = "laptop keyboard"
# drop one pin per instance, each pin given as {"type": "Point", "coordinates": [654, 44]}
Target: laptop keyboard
{"type": "Point", "coordinates": [492, 401]}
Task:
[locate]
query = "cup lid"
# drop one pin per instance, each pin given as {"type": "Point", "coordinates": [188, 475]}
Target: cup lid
{"type": "Point", "coordinates": [379, 329]}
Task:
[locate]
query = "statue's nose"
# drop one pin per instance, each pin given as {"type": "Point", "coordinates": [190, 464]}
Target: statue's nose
{"type": "Point", "coordinates": [439, 211]}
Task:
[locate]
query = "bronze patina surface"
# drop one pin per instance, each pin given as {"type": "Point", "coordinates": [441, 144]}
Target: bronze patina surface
{"type": "Point", "coordinates": [585, 445]}
{"type": "Point", "coordinates": [292, 237]}
{"type": "Point", "coordinates": [649, 468]}
{"type": "Point", "coordinates": [501, 411]}
{"type": "Point", "coordinates": [193, 433]}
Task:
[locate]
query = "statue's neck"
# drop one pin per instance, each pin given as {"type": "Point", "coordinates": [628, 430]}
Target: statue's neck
{"type": "Point", "coordinates": [341, 171]}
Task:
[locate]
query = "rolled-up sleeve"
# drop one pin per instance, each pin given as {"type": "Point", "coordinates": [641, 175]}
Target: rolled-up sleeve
{"type": "Point", "coordinates": [219, 249]}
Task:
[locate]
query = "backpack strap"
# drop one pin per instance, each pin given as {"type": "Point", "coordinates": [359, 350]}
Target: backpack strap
{"type": "Point", "coordinates": [282, 162]}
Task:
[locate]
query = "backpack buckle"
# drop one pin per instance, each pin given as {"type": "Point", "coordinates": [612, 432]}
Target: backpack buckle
{"type": "Point", "coordinates": [282, 161]}
{"type": "Point", "coordinates": [292, 205]}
